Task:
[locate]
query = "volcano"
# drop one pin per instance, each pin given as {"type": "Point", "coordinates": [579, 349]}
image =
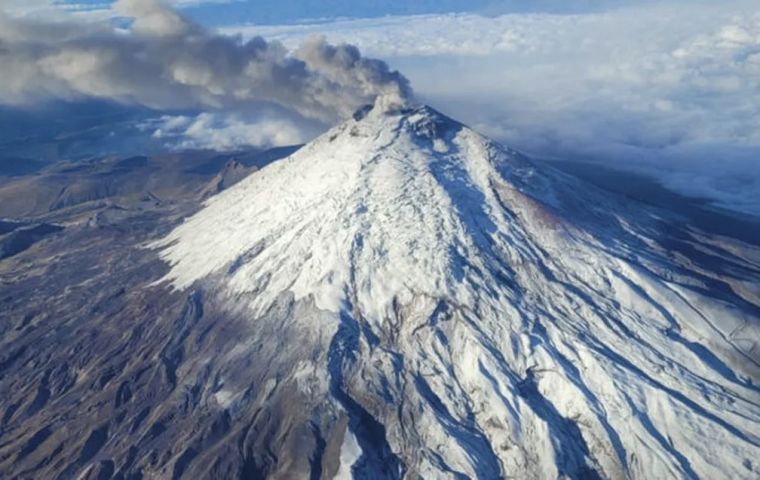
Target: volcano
{"type": "Point", "coordinates": [399, 298]}
{"type": "Point", "coordinates": [422, 302]}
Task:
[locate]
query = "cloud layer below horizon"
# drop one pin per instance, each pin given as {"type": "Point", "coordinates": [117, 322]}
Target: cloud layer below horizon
{"type": "Point", "coordinates": [668, 90]}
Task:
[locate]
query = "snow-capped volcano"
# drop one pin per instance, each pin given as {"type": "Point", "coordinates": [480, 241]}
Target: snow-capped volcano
{"type": "Point", "coordinates": [423, 302]}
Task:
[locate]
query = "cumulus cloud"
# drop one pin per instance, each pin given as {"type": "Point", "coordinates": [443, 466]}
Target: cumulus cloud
{"type": "Point", "coordinates": [225, 132]}
{"type": "Point", "coordinates": [672, 89]}
{"type": "Point", "coordinates": [163, 60]}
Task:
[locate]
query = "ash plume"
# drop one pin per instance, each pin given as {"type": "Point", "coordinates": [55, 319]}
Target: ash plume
{"type": "Point", "coordinates": [164, 60]}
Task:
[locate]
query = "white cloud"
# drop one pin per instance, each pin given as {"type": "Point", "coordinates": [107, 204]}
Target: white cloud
{"type": "Point", "coordinates": [195, 3]}
{"type": "Point", "coordinates": [226, 132]}
{"type": "Point", "coordinates": [55, 11]}
{"type": "Point", "coordinates": [671, 90]}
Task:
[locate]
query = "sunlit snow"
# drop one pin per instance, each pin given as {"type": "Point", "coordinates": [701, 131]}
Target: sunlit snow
{"type": "Point", "coordinates": [522, 323]}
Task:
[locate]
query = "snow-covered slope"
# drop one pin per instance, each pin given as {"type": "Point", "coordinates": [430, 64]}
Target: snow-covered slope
{"type": "Point", "coordinates": [462, 311]}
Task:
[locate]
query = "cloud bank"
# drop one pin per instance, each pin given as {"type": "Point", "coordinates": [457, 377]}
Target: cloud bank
{"type": "Point", "coordinates": [671, 89]}
{"type": "Point", "coordinates": [162, 60]}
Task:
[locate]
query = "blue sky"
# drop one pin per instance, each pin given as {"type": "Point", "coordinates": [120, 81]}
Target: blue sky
{"type": "Point", "coordinates": [229, 12]}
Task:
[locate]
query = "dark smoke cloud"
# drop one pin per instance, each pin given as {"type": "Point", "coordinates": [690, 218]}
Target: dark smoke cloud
{"type": "Point", "coordinates": [165, 61]}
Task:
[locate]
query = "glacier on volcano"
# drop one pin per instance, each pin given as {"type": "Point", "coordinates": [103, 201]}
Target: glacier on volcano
{"type": "Point", "coordinates": [465, 312]}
